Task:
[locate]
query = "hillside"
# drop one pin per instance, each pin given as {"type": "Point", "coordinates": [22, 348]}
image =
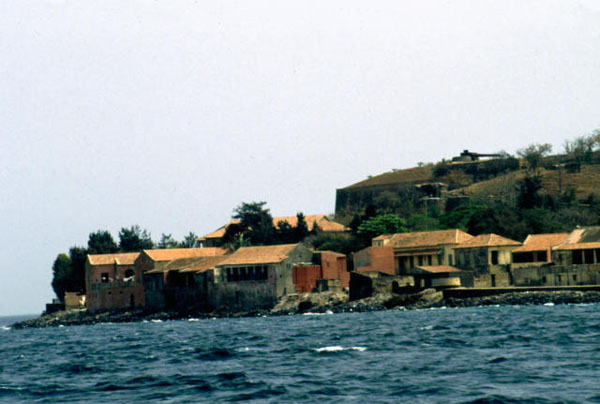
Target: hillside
{"type": "Point", "coordinates": [585, 182]}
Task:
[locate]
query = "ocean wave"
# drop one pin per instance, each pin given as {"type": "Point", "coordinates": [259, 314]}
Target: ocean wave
{"type": "Point", "coordinates": [337, 348]}
{"type": "Point", "coordinates": [5, 328]}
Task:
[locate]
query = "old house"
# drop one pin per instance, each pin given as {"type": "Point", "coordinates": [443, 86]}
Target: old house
{"type": "Point", "coordinates": [576, 261]}
{"type": "Point", "coordinates": [410, 250]}
{"type": "Point", "coordinates": [489, 257]}
{"type": "Point", "coordinates": [156, 266]}
{"type": "Point", "coordinates": [323, 222]}
{"type": "Point", "coordinates": [113, 282]}
{"type": "Point", "coordinates": [537, 249]}
{"type": "Point", "coordinates": [256, 277]}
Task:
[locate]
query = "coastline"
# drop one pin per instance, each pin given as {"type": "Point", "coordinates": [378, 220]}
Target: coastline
{"type": "Point", "coordinates": [320, 303]}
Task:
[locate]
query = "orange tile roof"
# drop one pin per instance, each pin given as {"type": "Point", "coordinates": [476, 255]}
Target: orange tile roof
{"type": "Point", "coordinates": [170, 254]}
{"type": "Point", "coordinates": [109, 259]}
{"type": "Point", "coordinates": [424, 239]}
{"type": "Point", "coordinates": [205, 264]}
{"type": "Point", "coordinates": [488, 240]}
{"type": "Point", "coordinates": [579, 246]}
{"type": "Point", "coordinates": [259, 255]}
{"type": "Point", "coordinates": [437, 269]}
{"type": "Point", "coordinates": [541, 242]}
{"type": "Point", "coordinates": [324, 223]}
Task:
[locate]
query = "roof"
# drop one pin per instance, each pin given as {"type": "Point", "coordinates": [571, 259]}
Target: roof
{"type": "Point", "coordinates": [437, 269]}
{"type": "Point", "coordinates": [541, 242]}
{"type": "Point", "coordinates": [324, 223]}
{"type": "Point", "coordinates": [170, 254]}
{"type": "Point", "coordinates": [424, 239]}
{"type": "Point", "coordinates": [205, 264]}
{"type": "Point", "coordinates": [488, 240]}
{"type": "Point", "coordinates": [109, 259]}
{"type": "Point", "coordinates": [579, 246]}
{"type": "Point", "coordinates": [259, 255]}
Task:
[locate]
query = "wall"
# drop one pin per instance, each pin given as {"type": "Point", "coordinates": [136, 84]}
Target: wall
{"type": "Point", "coordinates": [557, 275]}
{"type": "Point", "coordinates": [116, 293]}
{"type": "Point", "coordinates": [335, 267]}
{"type": "Point", "coordinates": [154, 291]}
{"type": "Point", "coordinates": [305, 277]}
{"type": "Point", "coordinates": [379, 259]}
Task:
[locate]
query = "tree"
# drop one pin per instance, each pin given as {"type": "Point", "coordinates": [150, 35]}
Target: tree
{"type": "Point", "coordinates": [167, 241]}
{"type": "Point", "coordinates": [285, 232]}
{"type": "Point", "coordinates": [61, 275]}
{"type": "Point", "coordinates": [134, 239]}
{"type": "Point", "coordinates": [101, 242]}
{"type": "Point", "coordinates": [382, 224]}
{"type": "Point", "coordinates": [422, 223]}
{"type": "Point", "coordinates": [78, 256]}
{"type": "Point", "coordinates": [256, 223]}
{"type": "Point", "coordinates": [189, 241]}
{"type": "Point", "coordinates": [534, 153]}
{"type": "Point", "coordinates": [301, 229]}
{"type": "Point", "coordinates": [460, 216]}
{"type": "Point", "coordinates": [529, 197]}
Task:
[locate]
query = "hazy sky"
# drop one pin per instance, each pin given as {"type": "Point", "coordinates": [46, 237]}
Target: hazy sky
{"type": "Point", "coordinates": [168, 114]}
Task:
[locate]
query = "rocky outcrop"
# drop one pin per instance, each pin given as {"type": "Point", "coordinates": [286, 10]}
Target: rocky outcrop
{"type": "Point", "coordinates": [325, 302]}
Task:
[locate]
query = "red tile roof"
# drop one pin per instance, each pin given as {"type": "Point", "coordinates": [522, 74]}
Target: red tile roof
{"type": "Point", "coordinates": [170, 254]}
{"type": "Point", "coordinates": [109, 259]}
{"type": "Point", "coordinates": [541, 242]}
{"type": "Point", "coordinates": [488, 240]}
{"type": "Point", "coordinates": [259, 255]}
{"type": "Point", "coordinates": [425, 239]}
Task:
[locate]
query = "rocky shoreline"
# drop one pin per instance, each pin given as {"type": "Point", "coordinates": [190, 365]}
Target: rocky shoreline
{"type": "Point", "coordinates": [320, 303]}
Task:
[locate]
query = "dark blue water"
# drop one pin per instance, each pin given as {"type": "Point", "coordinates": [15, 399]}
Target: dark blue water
{"type": "Point", "coordinates": [536, 354]}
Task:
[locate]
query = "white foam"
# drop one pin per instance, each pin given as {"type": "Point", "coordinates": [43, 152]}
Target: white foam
{"type": "Point", "coordinates": [337, 348]}
{"type": "Point", "coordinates": [156, 321]}
{"type": "Point", "coordinates": [549, 304]}
{"type": "Point", "coordinates": [313, 314]}
{"type": "Point", "coordinates": [5, 328]}
{"type": "Point", "coordinates": [191, 320]}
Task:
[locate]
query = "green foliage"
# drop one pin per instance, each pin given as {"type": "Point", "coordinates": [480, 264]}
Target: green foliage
{"type": "Point", "coordinates": [256, 223]}
{"type": "Point", "coordinates": [134, 239]}
{"type": "Point", "coordinates": [423, 223]}
{"type": "Point", "coordinates": [501, 220]}
{"type": "Point", "coordinates": [341, 243]}
{"type": "Point", "coordinates": [61, 275]}
{"type": "Point", "coordinates": [529, 197]}
{"type": "Point", "coordinates": [189, 241]}
{"type": "Point", "coordinates": [167, 241]}
{"type": "Point", "coordinates": [534, 155]}
{"type": "Point", "coordinates": [301, 228]}
{"type": "Point", "coordinates": [460, 217]}
{"type": "Point", "coordinates": [101, 242]}
{"type": "Point", "coordinates": [78, 256]}
{"type": "Point", "coordinates": [381, 224]}
{"type": "Point", "coordinates": [539, 220]}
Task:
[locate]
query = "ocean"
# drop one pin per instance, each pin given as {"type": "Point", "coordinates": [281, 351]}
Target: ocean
{"type": "Point", "coordinates": [504, 354]}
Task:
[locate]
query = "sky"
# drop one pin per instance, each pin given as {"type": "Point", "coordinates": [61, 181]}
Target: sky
{"type": "Point", "coordinates": [169, 114]}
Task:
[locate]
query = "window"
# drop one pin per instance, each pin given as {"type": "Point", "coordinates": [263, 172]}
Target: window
{"type": "Point", "coordinates": [574, 278]}
{"type": "Point", "coordinates": [577, 257]}
{"type": "Point", "coordinates": [420, 260]}
{"type": "Point", "coordinates": [104, 277]}
{"type": "Point", "coordinates": [449, 260]}
{"type": "Point", "coordinates": [429, 260]}
{"type": "Point", "coordinates": [589, 256]}
{"type": "Point", "coordinates": [494, 257]}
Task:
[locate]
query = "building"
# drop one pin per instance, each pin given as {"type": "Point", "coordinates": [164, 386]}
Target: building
{"type": "Point", "coordinates": [256, 277]}
{"type": "Point", "coordinates": [152, 259]}
{"type": "Point", "coordinates": [113, 282]}
{"type": "Point", "coordinates": [537, 249]}
{"type": "Point", "coordinates": [180, 284]}
{"type": "Point", "coordinates": [327, 271]}
{"type": "Point", "coordinates": [428, 248]}
{"type": "Point", "coordinates": [489, 257]}
{"type": "Point", "coordinates": [323, 222]}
